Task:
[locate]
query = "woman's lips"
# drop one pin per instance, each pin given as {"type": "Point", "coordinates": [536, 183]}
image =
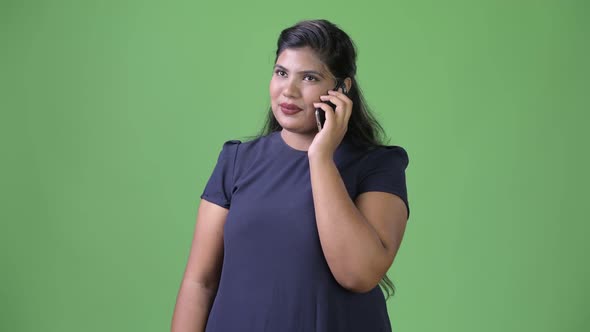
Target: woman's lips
{"type": "Point", "coordinates": [290, 109]}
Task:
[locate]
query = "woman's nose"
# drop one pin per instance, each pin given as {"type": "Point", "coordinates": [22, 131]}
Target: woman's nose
{"type": "Point", "coordinates": [291, 90]}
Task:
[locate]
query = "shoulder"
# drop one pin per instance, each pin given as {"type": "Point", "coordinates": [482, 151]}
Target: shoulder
{"type": "Point", "coordinates": [384, 169]}
{"type": "Point", "coordinates": [231, 145]}
{"type": "Point", "coordinates": [244, 150]}
{"type": "Point", "coordinates": [243, 144]}
{"type": "Point", "coordinates": [386, 155]}
{"type": "Point", "coordinates": [229, 149]}
{"type": "Point", "coordinates": [247, 144]}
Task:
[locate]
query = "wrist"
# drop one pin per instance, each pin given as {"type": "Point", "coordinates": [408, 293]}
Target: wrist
{"type": "Point", "coordinates": [320, 158]}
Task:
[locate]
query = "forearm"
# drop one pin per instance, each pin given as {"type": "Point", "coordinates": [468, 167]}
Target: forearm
{"type": "Point", "coordinates": [192, 307]}
{"type": "Point", "coordinates": [353, 250]}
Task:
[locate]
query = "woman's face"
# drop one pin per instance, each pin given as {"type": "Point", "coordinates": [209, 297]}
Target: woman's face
{"type": "Point", "coordinates": [299, 79]}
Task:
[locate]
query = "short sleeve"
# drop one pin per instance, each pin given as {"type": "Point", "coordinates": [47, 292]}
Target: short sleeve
{"type": "Point", "coordinates": [219, 188]}
{"type": "Point", "coordinates": [383, 170]}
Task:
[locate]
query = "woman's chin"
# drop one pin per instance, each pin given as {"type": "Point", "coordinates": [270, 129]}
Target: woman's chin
{"type": "Point", "coordinates": [297, 123]}
{"type": "Point", "coordinates": [299, 128]}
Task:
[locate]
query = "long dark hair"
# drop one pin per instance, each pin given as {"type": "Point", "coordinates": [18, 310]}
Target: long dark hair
{"type": "Point", "coordinates": [335, 49]}
{"type": "Point", "coordinates": [338, 52]}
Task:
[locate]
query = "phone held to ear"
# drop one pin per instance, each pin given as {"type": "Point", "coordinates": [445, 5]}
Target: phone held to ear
{"type": "Point", "coordinates": [320, 114]}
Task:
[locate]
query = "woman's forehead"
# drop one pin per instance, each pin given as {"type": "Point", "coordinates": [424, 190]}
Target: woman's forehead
{"type": "Point", "coordinates": [301, 59]}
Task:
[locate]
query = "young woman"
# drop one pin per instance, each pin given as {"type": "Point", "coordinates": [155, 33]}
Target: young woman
{"type": "Point", "coordinates": [297, 227]}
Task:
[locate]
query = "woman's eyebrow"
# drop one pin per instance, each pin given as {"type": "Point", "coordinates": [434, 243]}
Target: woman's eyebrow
{"type": "Point", "coordinates": [301, 72]}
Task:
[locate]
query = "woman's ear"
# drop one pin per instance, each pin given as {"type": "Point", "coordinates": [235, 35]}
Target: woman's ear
{"type": "Point", "coordinates": [348, 83]}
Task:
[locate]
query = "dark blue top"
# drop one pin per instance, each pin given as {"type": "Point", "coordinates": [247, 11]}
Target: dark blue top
{"type": "Point", "coordinates": [274, 275]}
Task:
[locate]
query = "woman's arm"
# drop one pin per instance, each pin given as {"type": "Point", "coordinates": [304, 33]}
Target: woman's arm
{"type": "Point", "coordinates": [201, 277]}
{"type": "Point", "coordinates": [359, 240]}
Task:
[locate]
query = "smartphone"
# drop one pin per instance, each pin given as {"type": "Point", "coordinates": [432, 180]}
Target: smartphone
{"type": "Point", "coordinates": [320, 114]}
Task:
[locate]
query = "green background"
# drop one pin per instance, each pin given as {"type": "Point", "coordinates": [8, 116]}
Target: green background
{"type": "Point", "coordinates": [113, 114]}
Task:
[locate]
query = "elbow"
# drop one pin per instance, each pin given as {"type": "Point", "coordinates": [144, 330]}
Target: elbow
{"type": "Point", "coordinates": [362, 278]}
{"type": "Point", "coordinates": [358, 283]}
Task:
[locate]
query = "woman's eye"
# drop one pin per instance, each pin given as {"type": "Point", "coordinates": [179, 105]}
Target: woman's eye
{"type": "Point", "coordinates": [280, 72]}
{"type": "Point", "coordinates": [310, 78]}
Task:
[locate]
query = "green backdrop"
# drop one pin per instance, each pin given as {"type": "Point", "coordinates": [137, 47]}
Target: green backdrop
{"type": "Point", "coordinates": [113, 113]}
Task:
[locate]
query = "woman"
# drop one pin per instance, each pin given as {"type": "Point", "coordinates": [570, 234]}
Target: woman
{"type": "Point", "coordinates": [305, 222]}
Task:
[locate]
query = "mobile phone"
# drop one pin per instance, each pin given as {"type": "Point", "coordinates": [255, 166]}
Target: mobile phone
{"type": "Point", "coordinates": [320, 114]}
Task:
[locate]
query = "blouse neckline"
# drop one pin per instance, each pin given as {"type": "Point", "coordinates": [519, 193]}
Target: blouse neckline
{"type": "Point", "coordinates": [281, 141]}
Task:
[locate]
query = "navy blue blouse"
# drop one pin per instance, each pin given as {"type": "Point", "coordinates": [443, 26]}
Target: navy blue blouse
{"type": "Point", "coordinates": [274, 275]}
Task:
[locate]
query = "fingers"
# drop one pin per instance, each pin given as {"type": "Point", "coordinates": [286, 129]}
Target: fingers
{"type": "Point", "coordinates": [347, 101]}
{"type": "Point", "coordinates": [339, 99]}
{"type": "Point", "coordinates": [328, 111]}
{"type": "Point", "coordinates": [339, 94]}
{"type": "Point", "coordinates": [343, 105]}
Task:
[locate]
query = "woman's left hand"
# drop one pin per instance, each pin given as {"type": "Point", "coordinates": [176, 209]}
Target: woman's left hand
{"type": "Point", "coordinates": [328, 139]}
